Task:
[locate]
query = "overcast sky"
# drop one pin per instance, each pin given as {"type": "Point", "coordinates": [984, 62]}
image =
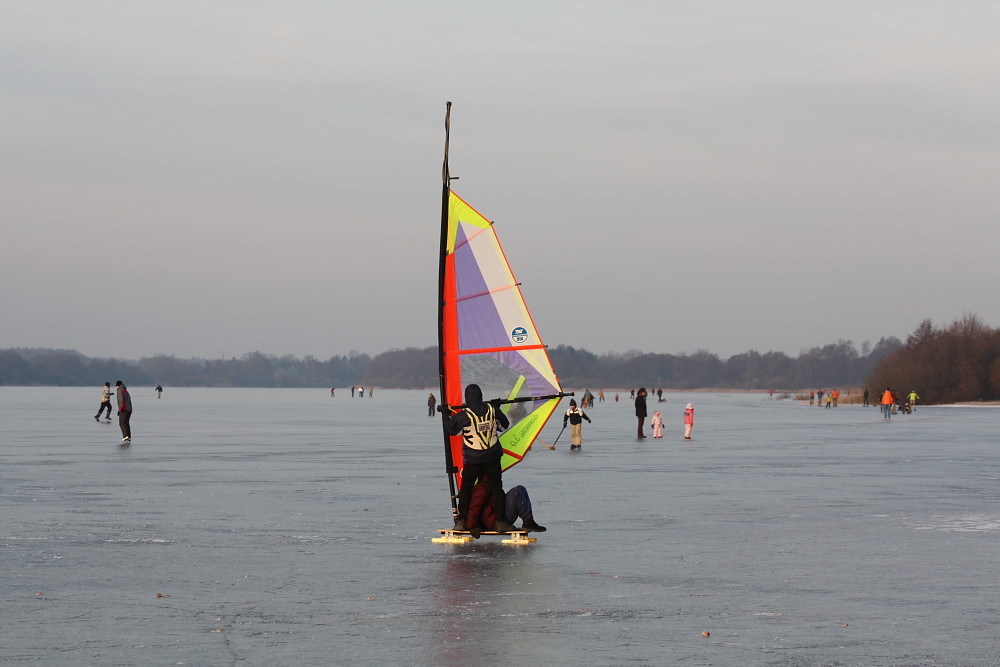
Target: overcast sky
{"type": "Point", "coordinates": [216, 178]}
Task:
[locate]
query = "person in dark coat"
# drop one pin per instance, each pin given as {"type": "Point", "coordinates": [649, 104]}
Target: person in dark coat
{"type": "Point", "coordinates": [124, 411]}
{"type": "Point", "coordinates": [479, 423]}
{"type": "Point", "coordinates": [640, 410]}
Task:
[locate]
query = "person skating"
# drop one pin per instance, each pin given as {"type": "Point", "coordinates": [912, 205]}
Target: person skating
{"type": "Point", "coordinates": [479, 423]}
{"type": "Point", "coordinates": [657, 423]}
{"type": "Point", "coordinates": [888, 400]}
{"type": "Point", "coordinates": [575, 416]}
{"type": "Point", "coordinates": [640, 411]}
{"type": "Point", "coordinates": [124, 410]}
{"type": "Point", "coordinates": [688, 420]}
{"type": "Point", "coordinates": [105, 402]}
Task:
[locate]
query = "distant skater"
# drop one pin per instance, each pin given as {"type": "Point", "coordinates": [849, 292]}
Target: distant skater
{"type": "Point", "coordinates": [912, 398]}
{"type": "Point", "coordinates": [333, 392]}
{"type": "Point", "coordinates": [640, 411]}
{"type": "Point", "coordinates": [575, 416]}
{"type": "Point", "coordinates": [688, 420]}
{"type": "Point", "coordinates": [887, 403]}
{"type": "Point", "coordinates": [864, 398]}
{"type": "Point", "coordinates": [124, 411]}
{"type": "Point", "coordinates": [105, 402]}
{"type": "Point", "coordinates": [431, 402]}
{"type": "Point", "coordinates": [159, 391]}
{"type": "Point", "coordinates": [812, 397]}
{"type": "Point", "coordinates": [657, 423]}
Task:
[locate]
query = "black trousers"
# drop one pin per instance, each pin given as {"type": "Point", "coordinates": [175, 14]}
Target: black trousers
{"type": "Point", "coordinates": [469, 476]}
{"type": "Point", "coordinates": [123, 417]}
{"type": "Point", "coordinates": [105, 404]}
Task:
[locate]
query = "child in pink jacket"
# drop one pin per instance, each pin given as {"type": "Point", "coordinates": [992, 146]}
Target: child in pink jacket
{"type": "Point", "coordinates": [688, 420]}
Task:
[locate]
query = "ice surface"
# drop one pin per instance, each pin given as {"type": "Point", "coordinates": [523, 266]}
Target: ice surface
{"type": "Point", "coordinates": [285, 527]}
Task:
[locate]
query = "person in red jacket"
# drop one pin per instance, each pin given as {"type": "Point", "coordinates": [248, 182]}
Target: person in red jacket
{"type": "Point", "coordinates": [124, 411]}
{"type": "Point", "coordinates": [688, 420]}
{"type": "Point", "coordinates": [482, 516]}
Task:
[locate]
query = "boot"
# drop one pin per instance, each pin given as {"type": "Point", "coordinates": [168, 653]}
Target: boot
{"type": "Point", "coordinates": [503, 527]}
{"type": "Point", "coordinates": [459, 523]}
{"type": "Point", "coordinates": [474, 530]}
{"type": "Point", "coordinates": [530, 525]}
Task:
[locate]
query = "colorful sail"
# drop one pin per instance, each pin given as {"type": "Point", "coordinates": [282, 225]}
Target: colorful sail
{"type": "Point", "coordinates": [487, 336]}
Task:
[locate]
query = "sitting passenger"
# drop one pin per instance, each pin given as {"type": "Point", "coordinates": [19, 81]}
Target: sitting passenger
{"type": "Point", "coordinates": [482, 517]}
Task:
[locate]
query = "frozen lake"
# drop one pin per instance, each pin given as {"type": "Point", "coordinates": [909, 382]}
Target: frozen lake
{"type": "Point", "coordinates": [283, 527]}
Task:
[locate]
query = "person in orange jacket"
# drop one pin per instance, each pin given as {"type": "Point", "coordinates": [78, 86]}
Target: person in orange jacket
{"type": "Point", "coordinates": [888, 400]}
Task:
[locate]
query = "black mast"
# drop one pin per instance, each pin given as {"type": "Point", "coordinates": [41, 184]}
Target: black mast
{"type": "Point", "coordinates": [449, 463]}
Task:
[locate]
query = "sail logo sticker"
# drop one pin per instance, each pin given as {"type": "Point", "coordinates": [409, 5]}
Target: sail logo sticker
{"type": "Point", "coordinates": [519, 334]}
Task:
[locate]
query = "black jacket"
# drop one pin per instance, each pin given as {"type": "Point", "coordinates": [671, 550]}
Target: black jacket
{"type": "Point", "coordinates": [640, 405]}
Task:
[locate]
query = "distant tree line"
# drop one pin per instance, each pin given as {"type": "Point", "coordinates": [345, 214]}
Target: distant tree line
{"type": "Point", "coordinates": [838, 364]}
{"type": "Point", "coordinates": [70, 368]}
{"type": "Point", "coordinates": [960, 362]}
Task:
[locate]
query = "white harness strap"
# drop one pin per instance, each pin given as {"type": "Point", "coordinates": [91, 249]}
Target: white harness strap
{"type": "Point", "coordinates": [481, 433]}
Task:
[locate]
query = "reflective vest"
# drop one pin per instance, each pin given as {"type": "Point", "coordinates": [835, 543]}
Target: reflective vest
{"type": "Point", "coordinates": [481, 433]}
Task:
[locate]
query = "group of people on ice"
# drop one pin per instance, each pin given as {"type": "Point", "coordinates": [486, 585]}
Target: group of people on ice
{"type": "Point", "coordinates": [891, 403]}
{"type": "Point", "coordinates": [657, 421]}
{"type": "Point", "coordinates": [482, 503]}
{"type": "Point", "coordinates": [124, 407]}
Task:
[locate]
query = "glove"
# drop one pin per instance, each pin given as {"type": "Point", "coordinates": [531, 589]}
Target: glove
{"type": "Point", "coordinates": [495, 403]}
{"type": "Point", "coordinates": [443, 409]}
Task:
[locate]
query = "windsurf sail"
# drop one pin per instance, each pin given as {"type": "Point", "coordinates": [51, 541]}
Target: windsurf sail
{"type": "Point", "coordinates": [486, 335]}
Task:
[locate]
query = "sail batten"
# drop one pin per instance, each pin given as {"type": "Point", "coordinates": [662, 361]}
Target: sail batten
{"type": "Point", "coordinates": [491, 292]}
{"type": "Point", "coordinates": [486, 350]}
